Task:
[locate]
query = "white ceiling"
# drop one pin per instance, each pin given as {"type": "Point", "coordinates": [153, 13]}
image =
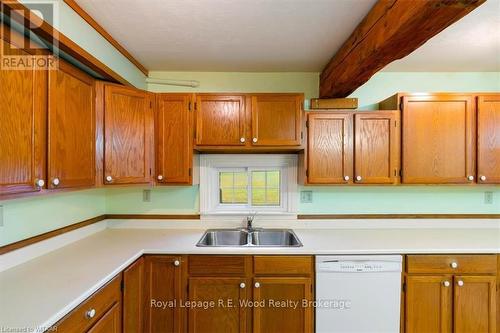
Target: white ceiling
{"type": "Point", "coordinates": [469, 45]}
{"type": "Point", "coordinates": [278, 35]}
{"type": "Point", "coordinates": [230, 35]}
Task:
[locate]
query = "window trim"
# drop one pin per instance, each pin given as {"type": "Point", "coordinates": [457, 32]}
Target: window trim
{"type": "Point", "coordinates": [209, 182]}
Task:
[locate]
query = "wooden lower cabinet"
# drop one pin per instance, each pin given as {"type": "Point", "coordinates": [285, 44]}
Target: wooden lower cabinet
{"type": "Point", "coordinates": [461, 302]}
{"type": "Point", "coordinates": [111, 322]}
{"type": "Point", "coordinates": [218, 303]}
{"type": "Point", "coordinates": [283, 309]}
{"type": "Point", "coordinates": [134, 300]}
{"type": "Point", "coordinates": [165, 286]}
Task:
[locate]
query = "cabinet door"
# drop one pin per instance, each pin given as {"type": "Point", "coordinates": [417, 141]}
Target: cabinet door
{"type": "Point", "coordinates": [128, 136]}
{"type": "Point", "coordinates": [438, 139]}
{"type": "Point", "coordinates": [71, 148]}
{"type": "Point", "coordinates": [134, 301]}
{"type": "Point", "coordinates": [174, 139]}
{"type": "Point", "coordinates": [488, 142]}
{"type": "Point", "coordinates": [224, 313]}
{"type": "Point", "coordinates": [428, 304]}
{"type": "Point", "coordinates": [23, 114]}
{"type": "Point", "coordinates": [165, 286]}
{"type": "Point", "coordinates": [277, 119]}
{"type": "Point", "coordinates": [376, 148]}
{"type": "Point", "coordinates": [220, 120]}
{"type": "Point", "coordinates": [283, 310]}
{"type": "Point", "coordinates": [330, 148]}
{"type": "Point", "coordinates": [111, 322]}
{"type": "Point", "coordinates": [474, 304]}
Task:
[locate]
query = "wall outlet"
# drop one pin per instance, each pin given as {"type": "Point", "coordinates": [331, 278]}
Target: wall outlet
{"type": "Point", "coordinates": [488, 198]}
{"type": "Point", "coordinates": [146, 196]}
{"type": "Point", "coordinates": [306, 196]}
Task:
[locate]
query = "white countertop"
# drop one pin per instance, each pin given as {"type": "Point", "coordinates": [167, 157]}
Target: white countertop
{"type": "Point", "coordinates": [38, 293]}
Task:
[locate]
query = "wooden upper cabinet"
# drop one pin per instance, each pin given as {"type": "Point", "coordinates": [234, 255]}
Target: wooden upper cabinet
{"type": "Point", "coordinates": [23, 116]}
{"type": "Point", "coordinates": [226, 315]}
{"type": "Point", "coordinates": [269, 319]}
{"type": "Point", "coordinates": [429, 304]}
{"type": "Point", "coordinates": [438, 139]}
{"type": "Point", "coordinates": [71, 132]}
{"type": "Point", "coordinates": [376, 147]}
{"type": "Point", "coordinates": [220, 120]}
{"type": "Point", "coordinates": [165, 281]}
{"type": "Point", "coordinates": [174, 139]}
{"type": "Point", "coordinates": [330, 148]}
{"type": "Point", "coordinates": [277, 119]}
{"type": "Point", "coordinates": [475, 304]}
{"type": "Point", "coordinates": [128, 135]}
{"type": "Point", "coordinates": [488, 142]}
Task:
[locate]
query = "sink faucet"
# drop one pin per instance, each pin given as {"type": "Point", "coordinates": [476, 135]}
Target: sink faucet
{"type": "Point", "coordinates": [250, 222]}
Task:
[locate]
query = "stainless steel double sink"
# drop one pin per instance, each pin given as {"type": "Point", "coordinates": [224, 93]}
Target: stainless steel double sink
{"type": "Point", "coordinates": [254, 237]}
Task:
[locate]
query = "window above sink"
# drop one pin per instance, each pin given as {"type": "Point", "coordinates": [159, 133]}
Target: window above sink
{"type": "Point", "coordinates": [248, 184]}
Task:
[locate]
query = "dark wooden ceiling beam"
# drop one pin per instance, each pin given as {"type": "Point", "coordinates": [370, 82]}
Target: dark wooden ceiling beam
{"type": "Point", "coordinates": [390, 31]}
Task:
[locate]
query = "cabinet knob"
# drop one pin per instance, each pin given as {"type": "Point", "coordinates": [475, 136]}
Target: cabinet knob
{"type": "Point", "coordinates": [242, 140]}
{"type": "Point", "coordinates": [460, 283]}
{"type": "Point", "coordinates": [254, 140]}
{"type": "Point", "coordinates": [90, 314]}
{"type": "Point", "coordinates": [346, 178]}
{"type": "Point", "coordinates": [454, 264]}
{"type": "Point", "coordinates": [56, 181]}
{"type": "Point", "coordinates": [446, 283]}
{"type": "Point", "coordinates": [109, 179]}
{"type": "Point", "coordinates": [359, 178]}
{"type": "Point", "coordinates": [177, 263]}
{"type": "Point", "coordinates": [257, 285]}
{"type": "Point", "coordinates": [39, 182]}
{"type": "Point", "coordinates": [483, 178]}
{"type": "Point", "coordinates": [242, 285]}
{"type": "Point", "coordinates": [160, 177]}
{"type": "Point", "coordinates": [470, 178]}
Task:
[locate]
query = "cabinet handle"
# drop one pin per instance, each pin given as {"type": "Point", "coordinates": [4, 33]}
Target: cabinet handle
{"type": "Point", "coordinates": [56, 181]}
{"type": "Point", "coordinates": [454, 265]}
{"type": "Point", "coordinates": [359, 178]}
{"type": "Point", "coordinates": [254, 140]}
{"type": "Point", "coordinates": [257, 285]}
{"type": "Point", "coordinates": [346, 178]}
{"type": "Point", "coordinates": [446, 284]}
{"type": "Point", "coordinates": [109, 179]}
{"type": "Point", "coordinates": [460, 283]}
{"type": "Point", "coordinates": [177, 263]}
{"type": "Point", "coordinates": [90, 314]}
{"type": "Point", "coordinates": [483, 178]}
{"type": "Point", "coordinates": [470, 178]}
{"type": "Point", "coordinates": [160, 177]}
{"type": "Point", "coordinates": [242, 140]}
{"type": "Point", "coordinates": [242, 285]}
{"type": "Point", "coordinates": [39, 183]}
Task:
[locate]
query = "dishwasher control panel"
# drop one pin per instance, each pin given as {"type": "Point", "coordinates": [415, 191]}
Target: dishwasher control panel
{"type": "Point", "coordinates": [352, 266]}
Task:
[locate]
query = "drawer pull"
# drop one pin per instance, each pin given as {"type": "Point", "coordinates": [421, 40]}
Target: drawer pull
{"type": "Point", "coordinates": [177, 263]}
{"type": "Point", "coordinates": [242, 285]}
{"type": "Point", "coordinates": [90, 314]}
{"type": "Point", "coordinates": [454, 265]}
{"type": "Point", "coordinates": [257, 285]}
{"type": "Point", "coordinates": [446, 283]}
{"type": "Point", "coordinates": [460, 283]}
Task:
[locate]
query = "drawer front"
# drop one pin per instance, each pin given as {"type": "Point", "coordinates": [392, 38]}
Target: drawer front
{"type": "Point", "coordinates": [283, 265]}
{"type": "Point", "coordinates": [450, 264]}
{"type": "Point", "coordinates": [101, 301]}
{"type": "Point", "coordinates": [210, 265]}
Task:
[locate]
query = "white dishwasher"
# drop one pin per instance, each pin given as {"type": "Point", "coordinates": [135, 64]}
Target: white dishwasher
{"type": "Point", "coordinates": [358, 293]}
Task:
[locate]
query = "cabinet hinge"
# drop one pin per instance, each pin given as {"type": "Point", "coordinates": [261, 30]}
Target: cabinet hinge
{"type": "Point", "coordinates": [401, 105]}
{"type": "Point", "coordinates": [189, 106]}
{"type": "Point", "coordinates": [150, 172]}
{"type": "Point", "coordinates": [122, 285]}
{"type": "Point", "coordinates": [307, 173]}
{"type": "Point", "coordinates": [195, 105]}
{"type": "Point", "coordinates": [403, 287]}
{"type": "Point", "coordinates": [190, 172]}
{"type": "Point", "coordinates": [400, 173]}
{"type": "Point", "coordinates": [307, 123]}
{"type": "Point", "coordinates": [395, 123]}
{"type": "Point", "coordinates": [302, 135]}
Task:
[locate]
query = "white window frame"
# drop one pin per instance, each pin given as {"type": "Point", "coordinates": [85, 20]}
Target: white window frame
{"type": "Point", "coordinates": [211, 164]}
